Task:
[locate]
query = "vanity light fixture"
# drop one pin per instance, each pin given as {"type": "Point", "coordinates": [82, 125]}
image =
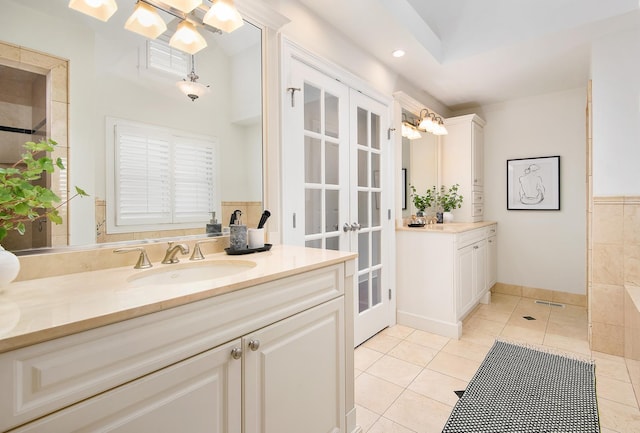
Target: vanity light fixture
{"type": "Point", "coordinates": [224, 16]}
{"type": "Point", "coordinates": [440, 128]}
{"type": "Point", "coordinates": [99, 9]}
{"type": "Point", "coordinates": [187, 38]}
{"type": "Point", "coordinates": [432, 123]}
{"type": "Point", "coordinates": [146, 21]}
{"type": "Point", "coordinates": [409, 130]}
{"type": "Point", "coordinates": [192, 88]}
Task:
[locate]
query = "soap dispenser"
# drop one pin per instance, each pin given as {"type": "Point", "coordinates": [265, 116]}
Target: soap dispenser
{"type": "Point", "coordinates": [214, 227]}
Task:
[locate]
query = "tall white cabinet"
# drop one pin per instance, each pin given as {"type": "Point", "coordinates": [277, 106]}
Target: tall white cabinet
{"type": "Point", "coordinates": [463, 163]}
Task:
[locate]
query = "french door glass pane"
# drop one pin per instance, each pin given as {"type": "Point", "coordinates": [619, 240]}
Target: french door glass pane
{"type": "Point", "coordinates": [376, 247]}
{"type": "Point", "coordinates": [313, 211]}
{"type": "Point", "coordinates": [333, 243]}
{"type": "Point", "coordinates": [363, 292]}
{"type": "Point", "coordinates": [363, 138]}
{"type": "Point", "coordinates": [312, 153]}
{"type": "Point", "coordinates": [375, 170]}
{"type": "Point", "coordinates": [332, 212]}
{"type": "Point", "coordinates": [332, 163]}
{"type": "Point", "coordinates": [375, 131]}
{"type": "Point", "coordinates": [363, 250]}
{"type": "Point", "coordinates": [311, 108]}
{"type": "Point", "coordinates": [375, 209]}
{"type": "Point", "coordinates": [363, 208]}
{"type": "Point", "coordinates": [376, 287]}
{"type": "Point", "coordinates": [316, 243]}
{"type": "Point", "coordinates": [363, 168]}
{"type": "Point", "coordinates": [332, 120]}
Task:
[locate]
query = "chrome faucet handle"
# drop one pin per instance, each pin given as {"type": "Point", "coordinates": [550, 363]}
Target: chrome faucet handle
{"type": "Point", "coordinates": [197, 252]}
{"type": "Point", "coordinates": [172, 250]}
{"type": "Point", "coordinates": [143, 260]}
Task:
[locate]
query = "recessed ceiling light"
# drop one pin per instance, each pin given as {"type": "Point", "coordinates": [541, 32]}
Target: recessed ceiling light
{"type": "Point", "coordinates": [398, 53]}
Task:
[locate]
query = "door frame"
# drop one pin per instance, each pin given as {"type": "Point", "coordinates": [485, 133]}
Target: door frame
{"type": "Point", "coordinates": [292, 51]}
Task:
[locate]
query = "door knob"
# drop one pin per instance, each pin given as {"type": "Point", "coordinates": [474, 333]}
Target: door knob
{"type": "Point", "coordinates": [346, 227]}
{"type": "Point", "coordinates": [355, 227]}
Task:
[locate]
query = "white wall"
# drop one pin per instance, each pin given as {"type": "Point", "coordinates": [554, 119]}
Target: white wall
{"type": "Point", "coordinates": [540, 249]}
{"type": "Point", "coordinates": [615, 69]}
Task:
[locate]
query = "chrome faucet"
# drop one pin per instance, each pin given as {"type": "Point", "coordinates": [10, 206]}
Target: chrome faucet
{"type": "Point", "coordinates": [172, 250]}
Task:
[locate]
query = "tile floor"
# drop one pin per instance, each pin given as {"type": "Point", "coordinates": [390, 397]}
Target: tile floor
{"type": "Point", "coordinates": [405, 378]}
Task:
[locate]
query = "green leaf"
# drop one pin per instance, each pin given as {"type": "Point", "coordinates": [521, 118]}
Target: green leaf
{"type": "Point", "coordinates": [21, 228]}
{"type": "Point", "coordinates": [81, 192]}
{"type": "Point", "coordinates": [60, 164]}
{"type": "Point", "coordinates": [21, 209]}
{"type": "Point", "coordinates": [3, 233]}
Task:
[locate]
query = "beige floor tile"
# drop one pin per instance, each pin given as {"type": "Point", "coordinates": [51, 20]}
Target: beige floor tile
{"type": "Point", "coordinates": [577, 331]}
{"type": "Point", "coordinates": [618, 417]}
{"type": "Point", "coordinates": [539, 324]}
{"type": "Point", "coordinates": [356, 372]}
{"type": "Point", "coordinates": [398, 331]}
{"type": "Point", "coordinates": [490, 327]}
{"type": "Point", "coordinates": [616, 390]}
{"type": "Point", "coordinates": [413, 353]}
{"type": "Point", "coordinates": [394, 370]}
{"type": "Point", "coordinates": [527, 307]}
{"type": "Point", "coordinates": [419, 413]}
{"type": "Point", "coordinates": [365, 418]}
{"type": "Point", "coordinates": [438, 386]}
{"type": "Point", "coordinates": [524, 335]}
{"type": "Point", "coordinates": [364, 357]}
{"type": "Point", "coordinates": [569, 312]}
{"type": "Point", "coordinates": [374, 393]}
{"type": "Point", "coordinates": [467, 349]}
{"type": "Point", "coordinates": [384, 425]}
{"type": "Point", "coordinates": [504, 300]}
{"type": "Point", "coordinates": [428, 339]}
{"type": "Point", "coordinates": [611, 366]}
{"type": "Point", "coordinates": [454, 366]}
{"type": "Point", "coordinates": [493, 313]}
{"type": "Point", "coordinates": [478, 337]}
{"type": "Point", "coordinates": [575, 345]}
{"type": "Point", "coordinates": [382, 343]}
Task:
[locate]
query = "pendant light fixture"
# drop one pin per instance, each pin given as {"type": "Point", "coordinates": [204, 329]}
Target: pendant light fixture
{"type": "Point", "coordinates": [187, 38]}
{"type": "Point", "coordinates": [99, 9]}
{"type": "Point", "coordinates": [185, 6]}
{"type": "Point", "coordinates": [224, 16]}
{"type": "Point", "coordinates": [146, 21]}
{"type": "Point", "coordinates": [192, 88]}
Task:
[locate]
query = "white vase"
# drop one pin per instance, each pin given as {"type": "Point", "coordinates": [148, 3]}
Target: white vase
{"type": "Point", "coordinates": [9, 267]}
{"type": "Point", "coordinates": [447, 217]}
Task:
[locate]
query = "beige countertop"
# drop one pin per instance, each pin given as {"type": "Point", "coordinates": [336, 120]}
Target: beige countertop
{"type": "Point", "coordinates": [41, 309]}
{"type": "Point", "coordinates": [447, 227]}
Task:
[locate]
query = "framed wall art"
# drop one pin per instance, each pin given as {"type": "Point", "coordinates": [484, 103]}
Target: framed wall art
{"type": "Point", "coordinates": [533, 183]}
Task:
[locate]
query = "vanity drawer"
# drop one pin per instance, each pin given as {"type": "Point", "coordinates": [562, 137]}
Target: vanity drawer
{"type": "Point", "coordinates": [477, 197]}
{"type": "Point", "coordinates": [492, 231]}
{"type": "Point", "coordinates": [477, 210]}
{"type": "Point", "coordinates": [46, 377]}
{"type": "Point", "coordinates": [470, 237]}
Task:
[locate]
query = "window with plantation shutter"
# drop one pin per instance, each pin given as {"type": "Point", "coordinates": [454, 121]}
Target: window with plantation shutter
{"type": "Point", "coordinates": [161, 179]}
{"type": "Point", "coordinates": [160, 55]}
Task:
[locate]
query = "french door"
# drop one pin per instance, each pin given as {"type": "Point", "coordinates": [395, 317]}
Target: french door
{"type": "Point", "coordinates": [335, 172]}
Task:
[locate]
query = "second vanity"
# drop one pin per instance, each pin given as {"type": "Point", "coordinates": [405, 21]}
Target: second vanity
{"type": "Point", "coordinates": [444, 271]}
{"type": "Point", "coordinates": [266, 349]}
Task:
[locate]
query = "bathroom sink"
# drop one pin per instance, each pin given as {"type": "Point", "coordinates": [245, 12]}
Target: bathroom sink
{"type": "Point", "coordinates": [190, 272]}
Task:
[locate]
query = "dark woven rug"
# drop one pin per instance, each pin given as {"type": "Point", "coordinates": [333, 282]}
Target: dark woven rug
{"type": "Point", "coordinates": [520, 389]}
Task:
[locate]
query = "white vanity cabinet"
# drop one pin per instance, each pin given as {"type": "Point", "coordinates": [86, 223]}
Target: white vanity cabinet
{"type": "Point", "coordinates": [271, 358]}
{"type": "Point", "coordinates": [443, 272]}
{"type": "Point", "coordinates": [463, 163]}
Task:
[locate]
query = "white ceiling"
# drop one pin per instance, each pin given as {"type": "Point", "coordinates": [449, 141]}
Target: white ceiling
{"type": "Point", "coordinates": [476, 52]}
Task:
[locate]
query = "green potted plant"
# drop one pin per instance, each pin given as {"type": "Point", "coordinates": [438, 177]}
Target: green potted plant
{"type": "Point", "coordinates": [424, 201]}
{"type": "Point", "coordinates": [448, 200]}
{"type": "Point", "coordinates": [21, 201]}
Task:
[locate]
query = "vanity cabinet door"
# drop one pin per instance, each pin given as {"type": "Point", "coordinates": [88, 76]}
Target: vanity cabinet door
{"type": "Point", "coordinates": [465, 278]}
{"type": "Point", "coordinates": [201, 394]}
{"type": "Point", "coordinates": [492, 260]}
{"type": "Point", "coordinates": [294, 379]}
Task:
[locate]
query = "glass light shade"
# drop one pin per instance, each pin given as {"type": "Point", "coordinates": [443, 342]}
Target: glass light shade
{"type": "Point", "coordinates": [192, 89]}
{"type": "Point", "coordinates": [223, 15]}
{"type": "Point", "coordinates": [146, 21]}
{"type": "Point", "coordinates": [187, 39]}
{"type": "Point", "coordinates": [185, 6]}
{"type": "Point", "coordinates": [410, 132]}
{"type": "Point", "coordinates": [427, 124]}
{"type": "Point", "coordinates": [99, 9]}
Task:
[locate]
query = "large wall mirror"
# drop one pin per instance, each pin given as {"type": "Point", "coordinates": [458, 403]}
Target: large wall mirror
{"type": "Point", "coordinates": [103, 72]}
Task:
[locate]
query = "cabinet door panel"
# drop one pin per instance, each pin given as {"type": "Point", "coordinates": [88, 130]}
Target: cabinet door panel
{"type": "Point", "coordinates": [198, 395]}
{"type": "Point", "coordinates": [492, 258]}
{"type": "Point", "coordinates": [294, 381]}
{"type": "Point", "coordinates": [480, 268]}
{"type": "Point", "coordinates": [465, 278]}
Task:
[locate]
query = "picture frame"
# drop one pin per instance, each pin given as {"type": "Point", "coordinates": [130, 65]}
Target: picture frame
{"type": "Point", "coordinates": [404, 189]}
{"type": "Point", "coordinates": [533, 183]}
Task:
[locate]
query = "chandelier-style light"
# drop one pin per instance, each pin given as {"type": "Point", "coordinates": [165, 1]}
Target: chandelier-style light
{"type": "Point", "coordinates": [99, 9]}
{"type": "Point", "coordinates": [432, 123]}
{"type": "Point", "coordinates": [192, 88]}
{"type": "Point", "coordinates": [145, 20]}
